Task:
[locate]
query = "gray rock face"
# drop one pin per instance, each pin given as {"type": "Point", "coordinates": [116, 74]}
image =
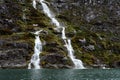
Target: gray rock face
{"type": "Point", "coordinates": [14, 50]}
{"type": "Point", "coordinates": [55, 61]}
{"type": "Point", "coordinates": [14, 54]}
{"type": "Point", "coordinates": [13, 58]}
{"type": "Point", "coordinates": [7, 19]}
{"type": "Point", "coordinates": [104, 15]}
{"type": "Point", "coordinates": [96, 16]}
{"type": "Point", "coordinates": [93, 16]}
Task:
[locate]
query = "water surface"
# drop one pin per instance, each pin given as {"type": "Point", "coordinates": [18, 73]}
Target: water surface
{"type": "Point", "coordinates": [60, 74]}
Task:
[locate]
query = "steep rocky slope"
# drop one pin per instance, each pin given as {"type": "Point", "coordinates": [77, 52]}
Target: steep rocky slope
{"type": "Point", "coordinates": [97, 27]}
{"type": "Point", "coordinates": [94, 28]}
{"type": "Point", "coordinates": [18, 20]}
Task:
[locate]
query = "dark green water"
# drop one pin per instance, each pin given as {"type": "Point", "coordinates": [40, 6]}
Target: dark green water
{"type": "Point", "coordinates": [60, 74]}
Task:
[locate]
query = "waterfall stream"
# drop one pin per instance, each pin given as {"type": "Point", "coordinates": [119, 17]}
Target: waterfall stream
{"type": "Point", "coordinates": [38, 47]}
{"type": "Point", "coordinates": [50, 14]}
{"type": "Point", "coordinates": [35, 60]}
{"type": "Point", "coordinates": [78, 63]}
{"type": "Point", "coordinates": [34, 4]}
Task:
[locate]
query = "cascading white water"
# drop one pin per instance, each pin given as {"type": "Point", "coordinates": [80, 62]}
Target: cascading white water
{"type": "Point", "coordinates": [50, 14]}
{"type": "Point", "coordinates": [34, 4]}
{"type": "Point", "coordinates": [35, 60]}
{"type": "Point", "coordinates": [78, 63]}
{"type": "Point", "coordinates": [63, 33]}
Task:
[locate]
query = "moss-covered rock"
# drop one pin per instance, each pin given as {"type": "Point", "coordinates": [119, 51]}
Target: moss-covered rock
{"type": "Point", "coordinates": [92, 27]}
{"type": "Point", "coordinates": [55, 60]}
{"type": "Point", "coordinates": [96, 29]}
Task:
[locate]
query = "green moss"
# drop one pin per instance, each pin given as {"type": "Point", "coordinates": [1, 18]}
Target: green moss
{"type": "Point", "coordinates": [87, 58]}
{"type": "Point", "coordinates": [77, 28]}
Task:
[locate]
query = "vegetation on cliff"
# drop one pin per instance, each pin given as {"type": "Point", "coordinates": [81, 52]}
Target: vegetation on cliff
{"type": "Point", "coordinates": [93, 28]}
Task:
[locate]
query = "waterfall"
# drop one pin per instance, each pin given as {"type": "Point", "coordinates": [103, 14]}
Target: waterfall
{"type": "Point", "coordinates": [50, 14]}
{"type": "Point", "coordinates": [35, 60]}
{"type": "Point", "coordinates": [63, 33]}
{"type": "Point", "coordinates": [78, 63]}
{"type": "Point", "coordinates": [34, 4]}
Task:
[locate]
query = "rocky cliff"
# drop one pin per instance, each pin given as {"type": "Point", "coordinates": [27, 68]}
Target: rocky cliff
{"type": "Point", "coordinates": [93, 26]}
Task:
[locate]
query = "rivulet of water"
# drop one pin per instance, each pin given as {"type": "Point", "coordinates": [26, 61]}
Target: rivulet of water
{"type": "Point", "coordinates": [35, 60]}
{"type": "Point", "coordinates": [34, 4]}
{"type": "Point", "coordinates": [78, 63]}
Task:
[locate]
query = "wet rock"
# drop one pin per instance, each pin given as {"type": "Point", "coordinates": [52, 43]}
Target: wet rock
{"type": "Point", "coordinates": [54, 61]}
{"type": "Point", "coordinates": [101, 66]}
{"type": "Point", "coordinates": [13, 58]}
{"type": "Point", "coordinates": [116, 64]}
